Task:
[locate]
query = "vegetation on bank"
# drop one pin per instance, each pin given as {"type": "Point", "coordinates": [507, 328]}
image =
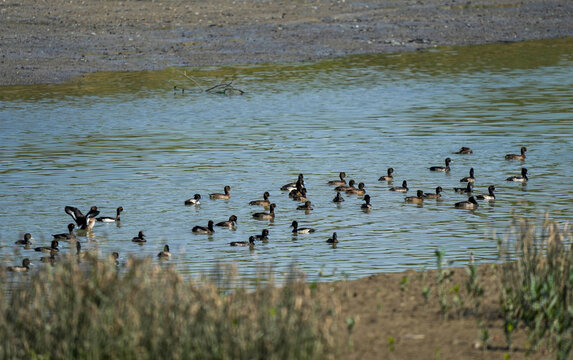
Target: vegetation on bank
{"type": "Point", "coordinates": [92, 309]}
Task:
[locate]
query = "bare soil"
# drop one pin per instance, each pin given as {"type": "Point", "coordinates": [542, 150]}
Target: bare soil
{"type": "Point", "coordinates": [53, 41]}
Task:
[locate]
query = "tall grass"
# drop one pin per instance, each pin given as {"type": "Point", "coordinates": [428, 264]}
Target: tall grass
{"type": "Point", "coordinates": [90, 310]}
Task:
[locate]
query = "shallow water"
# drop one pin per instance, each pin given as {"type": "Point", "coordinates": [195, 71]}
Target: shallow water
{"type": "Point", "coordinates": [114, 139]}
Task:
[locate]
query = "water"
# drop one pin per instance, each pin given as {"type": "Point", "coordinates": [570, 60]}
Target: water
{"type": "Point", "coordinates": [115, 139]}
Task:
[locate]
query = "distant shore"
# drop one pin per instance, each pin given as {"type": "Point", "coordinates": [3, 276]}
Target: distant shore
{"type": "Point", "coordinates": [56, 41]}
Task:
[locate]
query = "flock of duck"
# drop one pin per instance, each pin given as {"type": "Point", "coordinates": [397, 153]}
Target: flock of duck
{"type": "Point", "coordinates": [296, 191]}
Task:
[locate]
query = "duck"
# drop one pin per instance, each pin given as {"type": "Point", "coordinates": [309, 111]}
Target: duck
{"type": "Point", "coordinates": [195, 200]}
{"type": "Point", "coordinates": [82, 220]}
{"type": "Point", "coordinates": [467, 189]}
{"type": "Point", "coordinates": [204, 230]}
{"type": "Point", "coordinates": [53, 246]}
{"type": "Point", "coordinates": [338, 198]}
{"type": "Point", "coordinates": [522, 178]}
{"type": "Point", "coordinates": [114, 257]}
{"type": "Point", "coordinates": [442, 168]}
{"type": "Point", "coordinates": [140, 238]}
{"type": "Point", "coordinates": [27, 241]}
{"type": "Point", "coordinates": [264, 236]}
{"type": "Point", "coordinates": [403, 188]}
{"type": "Point", "coordinates": [346, 187]}
{"type": "Point", "coordinates": [25, 266]}
{"type": "Point", "coordinates": [89, 224]}
{"type": "Point", "coordinates": [333, 239]}
{"type": "Point", "coordinates": [359, 191]}
{"type": "Point", "coordinates": [516, 156]}
{"type": "Point", "coordinates": [297, 230]}
{"type": "Point", "coordinates": [266, 216]}
{"type": "Point", "coordinates": [293, 185]}
{"type": "Point", "coordinates": [366, 205]}
{"type": "Point", "coordinates": [225, 196]}
{"type": "Point", "coordinates": [437, 195]}
{"type": "Point", "coordinates": [250, 243]}
{"type": "Point", "coordinates": [299, 196]}
{"type": "Point", "coordinates": [464, 151]}
{"type": "Point", "coordinates": [342, 181]}
{"type": "Point", "coordinates": [108, 219]}
{"type": "Point", "coordinates": [165, 254]}
{"type": "Point", "coordinates": [470, 178]}
{"type": "Point", "coordinates": [489, 196]}
{"type": "Point", "coordinates": [471, 203]}
{"type": "Point", "coordinates": [388, 177]}
{"type": "Point", "coordinates": [66, 236]}
{"type": "Point", "coordinates": [265, 202]}
{"type": "Point", "coordinates": [418, 199]}
{"type": "Point", "coordinates": [229, 223]}
{"type": "Point", "coordinates": [307, 206]}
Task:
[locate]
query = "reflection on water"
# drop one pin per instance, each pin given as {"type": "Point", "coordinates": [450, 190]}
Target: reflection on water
{"type": "Point", "coordinates": [128, 139]}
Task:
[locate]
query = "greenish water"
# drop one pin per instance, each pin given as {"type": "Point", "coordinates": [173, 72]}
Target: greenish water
{"type": "Point", "coordinates": [129, 139]}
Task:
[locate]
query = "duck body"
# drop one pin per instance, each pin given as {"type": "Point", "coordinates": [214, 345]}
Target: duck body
{"type": "Point", "coordinates": [27, 241]}
{"type": "Point", "coordinates": [225, 196]}
{"type": "Point", "coordinates": [490, 196]}
{"type": "Point", "coordinates": [333, 239]}
{"type": "Point", "coordinates": [366, 205]}
{"type": "Point", "coordinates": [346, 187]}
{"type": "Point", "coordinates": [418, 199]}
{"type": "Point", "coordinates": [471, 203]}
{"type": "Point", "coordinates": [516, 156]}
{"type": "Point", "coordinates": [108, 219]}
{"type": "Point", "coordinates": [403, 188]}
{"type": "Point", "coordinates": [442, 168]}
{"type": "Point", "coordinates": [82, 220]}
{"type": "Point", "coordinates": [140, 238]}
{"type": "Point", "coordinates": [338, 198]}
{"type": "Point", "coordinates": [250, 243]}
{"type": "Point", "coordinates": [204, 230]}
{"type": "Point", "coordinates": [297, 230]}
{"type": "Point", "coordinates": [340, 182]}
{"type": "Point", "coordinates": [359, 191]}
{"type": "Point", "coordinates": [266, 216]}
{"type": "Point", "coordinates": [66, 236]}
{"type": "Point", "coordinates": [523, 178]}
{"type": "Point", "coordinates": [437, 195]}
{"type": "Point", "coordinates": [25, 266]}
{"type": "Point", "coordinates": [229, 223]}
{"type": "Point", "coordinates": [195, 200]}
{"type": "Point", "coordinates": [298, 196]}
{"type": "Point", "coordinates": [265, 202]}
{"type": "Point", "coordinates": [464, 190]}
{"type": "Point", "coordinates": [470, 178]}
{"type": "Point", "coordinates": [293, 185]}
{"type": "Point", "coordinates": [165, 254]}
{"type": "Point", "coordinates": [264, 236]}
{"type": "Point", "coordinates": [307, 206]}
{"type": "Point", "coordinates": [388, 177]}
{"type": "Point", "coordinates": [464, 151]}
{"type": "Point", "coordinates": [47, 249]}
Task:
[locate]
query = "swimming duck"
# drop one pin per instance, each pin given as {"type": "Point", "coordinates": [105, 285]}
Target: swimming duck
{"type": "Point", "coordinates": [82, 220]}
{"type": "Point", "coordinates": [140, 238]}
{"type": "Point", "coordinates": [250, 243]}
{"type": "Point", "coordinates": [342, 175]}
{"type": "Point", "coordinates": [228, 224]}
{"type": "Point", "coordinates": [366, 205]}
{"type": "Point", "coordinates": [338, 198]}
{"type": "Point", "coordinates": [111, 219]}
{"type": "Point", "coordinates": [298, 195]}
{"type": "Point", "coordinates": [437, 195]}
{"type": "Point", "coordinates": [25, 266]}
{"type": "Point", "coordinates": [470, 178]}
{"type": "Point", "coordinates": [266, 216]}
{"type": "Point", "coordinates": [195, 200]}
{"type": "Point", "coordinates": [403, 188]}
{"type": "Point", "coordinates": [467, 189]}
{"type": "Point", "coordinates": [471, 203]}
{"type": "Point", "coordinates": [66, 236]}
{"type": "Point", "coordinates": [225, 196]}
{"type": "Point", "coordinates": [293, 185]}
{"type": "Point", "coordinates": [264, 236]}
{"type": "Point", "coordinates": [388, 177]}
{"type": "Point", "coordinates": [418, 199]}
{"type": "Point", "coordinates": [515, 156]}
{"type": "Point", "coordinates": [297, 230]}
{"type": "Point", "coordinates": [522, 178]}
{"type": "Point", "coordinates": [442, 168]}
{"type": "Point", "coordinates": [464, 150]}
{"type": "Point", "coordinates": [333, 239]}
{"type": "Point", "coordinates": [54, 246]}
{"type": "Point", "coordinates": [346, 187]}
{"type": "Point", "coordinates": [307, 206]}
{"type": "Point", "coordinates": [265, 202]}
{"type": "Point", "coordinates": [204, 230]}
{"type": "Point", "coordinates": [359, 191]}
{"type": "Point", "coordinates": [490, 196]}
{"type": "Point", "coordinates": [165, 254]}
{"type": "Point", "coordinates": [114, 257]}
{"type": "Point", "coordinates": [27, 241]}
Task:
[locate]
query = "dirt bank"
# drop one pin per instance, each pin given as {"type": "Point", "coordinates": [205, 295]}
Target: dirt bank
{"type": "Point", "coordinates": [54, 41]}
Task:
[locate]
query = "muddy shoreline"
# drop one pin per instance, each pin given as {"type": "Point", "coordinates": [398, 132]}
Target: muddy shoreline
{"type": "Point", "coordinates": [53, 42]}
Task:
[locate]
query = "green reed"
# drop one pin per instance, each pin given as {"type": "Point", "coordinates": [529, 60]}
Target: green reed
{"type": "Point", "coordinates": [90, 310]}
